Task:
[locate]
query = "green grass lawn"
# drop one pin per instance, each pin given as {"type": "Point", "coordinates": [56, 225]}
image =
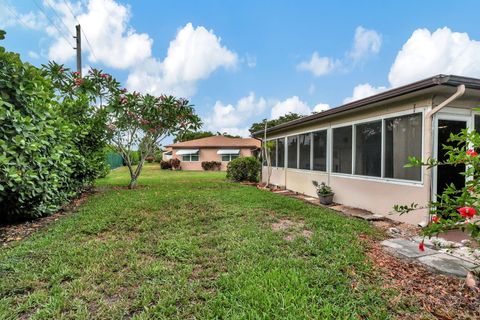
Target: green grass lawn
{"type": "Point", "coordinates": [190, 245]}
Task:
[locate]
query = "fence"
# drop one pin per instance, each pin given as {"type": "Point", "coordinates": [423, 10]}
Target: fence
{"type": "Point", "coordinates": [114, 160]}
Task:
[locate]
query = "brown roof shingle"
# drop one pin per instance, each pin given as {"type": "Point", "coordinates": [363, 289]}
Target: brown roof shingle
{"type": "Point", "coordinates": [218, 142]}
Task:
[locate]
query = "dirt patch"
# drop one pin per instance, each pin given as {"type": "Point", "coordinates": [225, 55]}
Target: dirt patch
{"type": "Point", "coordinates": [18, 231]}
{"type": "Point", "coordinates": [440, 296]}
{"type": "Point", "coordinates": [286, 224]}
{"type": "Point", "coordinates": [293, 229]}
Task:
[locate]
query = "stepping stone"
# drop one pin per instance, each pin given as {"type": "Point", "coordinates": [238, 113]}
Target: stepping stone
{"type": "Point", "coordinates": [406, 248]}
{"type": "Point", "coordinates": [447, 264]}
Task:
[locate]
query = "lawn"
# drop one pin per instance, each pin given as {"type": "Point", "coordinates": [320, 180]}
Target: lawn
{"type": "Point", "coordinates": [191, 245]}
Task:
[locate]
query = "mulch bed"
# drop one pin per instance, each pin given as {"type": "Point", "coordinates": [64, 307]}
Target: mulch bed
{"type": "Point", "coordinates": [17, 231]}
{"type": "Point", "coordinates": [440, 296]}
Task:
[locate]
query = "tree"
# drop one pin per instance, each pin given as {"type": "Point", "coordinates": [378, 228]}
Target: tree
{"type": "Point", "coordinates": [259, 126]}
{"type": "Point", "coordinates": [192, 135]}
{"type": "Point", "coordinates": [454, 208]}
{"type": "Point", "coordinates": [146, 120]}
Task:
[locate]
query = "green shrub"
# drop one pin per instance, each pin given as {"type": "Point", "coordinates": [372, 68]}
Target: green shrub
{"type": "Point", "coordinates": [158, 156]}
{"type": "Point", "coordinates": [36, 151]}
{"type": "Point", "coordinates": [211, 165]}
{"type": "Point", "coordinates": [244, 169]}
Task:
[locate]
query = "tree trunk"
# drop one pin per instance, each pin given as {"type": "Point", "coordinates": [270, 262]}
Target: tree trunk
{"type": "Point", "coordinates": [133, 183]}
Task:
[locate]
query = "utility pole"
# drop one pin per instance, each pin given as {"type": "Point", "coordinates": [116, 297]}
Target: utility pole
{"type": "Point", "coordinates": [78, 38]}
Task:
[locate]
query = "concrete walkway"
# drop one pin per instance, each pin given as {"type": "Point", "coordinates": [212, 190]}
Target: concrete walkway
{"type": "Point", "coordinates": [433, 259]}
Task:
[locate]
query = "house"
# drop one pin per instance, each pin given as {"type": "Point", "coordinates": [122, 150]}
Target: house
{"type": "Point", "coordinates": [217, 148]}
{"type": "Point", "coordinates": [360, 148]}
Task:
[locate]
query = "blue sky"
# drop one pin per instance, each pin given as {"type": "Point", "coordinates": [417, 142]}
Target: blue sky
{"type": "Point", "coordinates": [242, 61]}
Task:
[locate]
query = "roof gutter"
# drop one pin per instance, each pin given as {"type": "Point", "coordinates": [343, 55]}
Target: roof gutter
{"type": "Point", "coordinates": [429, 141]}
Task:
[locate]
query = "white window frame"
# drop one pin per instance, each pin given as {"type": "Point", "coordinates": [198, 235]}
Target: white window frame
{"type": "Point", "coordinates": [236, 155]}
{"type": "Point", "coordinates": [190, 157]}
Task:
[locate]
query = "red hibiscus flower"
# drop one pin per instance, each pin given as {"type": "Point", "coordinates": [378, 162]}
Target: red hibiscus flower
{"type": "Point", "coordinates": [421, 246]}
{"type": "Point", "coordinates": [467, 212]}
{"type": "Point", "coordinates": [435, 219]}
{"type": "Point", "coordinates": [472, 153]}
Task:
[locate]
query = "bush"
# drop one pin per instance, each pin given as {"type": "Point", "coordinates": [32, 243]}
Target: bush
{"type": "Point", "coordinates": [149, 159]}
{"type": "Point", "coordinates": [165, 165]}
{"type": "Point", "coordinates": [211, 165]}
{"type": "Point", "coordinates": [172, 164]}
{"type": "Point", "coordinates": [175, 164]}
{"type": "Point", "coordinates": [244, 169]}
{"type": "Point", "coordinates": [37, 155]}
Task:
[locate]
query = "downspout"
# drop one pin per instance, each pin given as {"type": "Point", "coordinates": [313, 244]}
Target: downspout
{"type": "Point", "coordinates": [429, 141]}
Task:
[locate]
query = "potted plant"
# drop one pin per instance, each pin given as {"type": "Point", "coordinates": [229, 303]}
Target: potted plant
{"type": "Point", "coordinates": [324, 192]}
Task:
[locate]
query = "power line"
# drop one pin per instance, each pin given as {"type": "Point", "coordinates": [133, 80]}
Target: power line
{"type": "Point", "coordinates": [15, 15]}
{"type": "Point", "coordinates": [83, 32]}
{"type": "Point", "coordinates": [51, 21]}
{"type": "Point", "coordinates": [59, 18]}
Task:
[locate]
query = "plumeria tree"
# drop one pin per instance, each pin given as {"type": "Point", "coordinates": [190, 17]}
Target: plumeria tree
{"type": "Point", "coordinates": [454, 208]}
{"type": "Point", "coordinates": [85, 101]}
{"type": "Point", "coordinates": [142, 122]}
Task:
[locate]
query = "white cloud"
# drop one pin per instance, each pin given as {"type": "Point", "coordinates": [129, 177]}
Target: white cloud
{"type": "Point", "coordinates": [231, 118]}
{"type": "Point", "coordinates": [251, 60]}
{"type": "Point", "coordinates": [9, 16]}
{"type": "Point", "coordinates": [362, 91]}
{"type": "Point", "coordinates": [106, 24]}
{"type": "Point", "coordinates": [311, 89]}
{"type": "Point", "coordinates": [366, 42]}
{"type": "Point", "coordinates": [321, 107]}
{"type": "Point", "coordinates": [319, 66]}
{"type": "Point", "coordinates": [193, 55]}
{"type": "Point", "coordinates": [429, 53]}
{"type": "Point", "coordinates": [33, 55]}
{"type": "Point", "coordinates": [295, 105]}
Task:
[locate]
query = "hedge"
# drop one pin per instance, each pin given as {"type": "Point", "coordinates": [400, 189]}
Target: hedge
{"type": "Point", "coordinates": [36, 152]}
{"type": "Point", "coordinates": [244, 169]}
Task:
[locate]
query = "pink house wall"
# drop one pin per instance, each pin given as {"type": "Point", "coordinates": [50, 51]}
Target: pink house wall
{"type": "Point", "coordinates": [208, 154]}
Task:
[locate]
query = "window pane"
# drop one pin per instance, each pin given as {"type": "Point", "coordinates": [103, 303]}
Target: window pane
{"type": "Point", "coordinates": [194, 157]}
{"type": "Point", "coordinates": [273, 153]}
{"type": "Point", "coordinates": [342, 150]}
{"type": "Point", "coordinates": [320, 150]}
{"type": "Point", "coordinates": [368, 149]}
{"type": "Point", "coordinates": [292, 151]}
{"type": "Point", "coordinates": [477, 123]}
{"type": "Point", "coordinates": [305, 142]}
{"type": "Point", "coordinates": [225, 157]}
{"type": "Point", "coordinates": [403, 139]}
{"type": "Point", "coordinates": [233, 156]}
{"type": "Point", "coordinates": [281, 152]}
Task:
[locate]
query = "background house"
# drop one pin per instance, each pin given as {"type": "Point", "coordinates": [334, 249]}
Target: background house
{"type": "Point", "coordinates": [217, 148]}
{"type": "Point", "coordinates": [360, 148]}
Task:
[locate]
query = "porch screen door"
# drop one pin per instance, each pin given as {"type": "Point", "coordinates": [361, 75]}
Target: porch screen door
{"type": "Point", "coordinates": [448, 174]}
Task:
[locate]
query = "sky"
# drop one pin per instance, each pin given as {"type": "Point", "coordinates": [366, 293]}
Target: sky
{"type": "Point", "coordinates": [240, 62]}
